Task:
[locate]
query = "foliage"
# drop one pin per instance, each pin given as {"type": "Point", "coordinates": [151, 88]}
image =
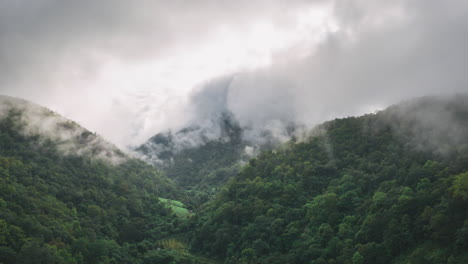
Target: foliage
{"type": "Point", "coordinates": [177, 207]}
{"type": "Point", "coordinates": [57, 208]}
{"type": "Point", "coordinates": [360, 190]}
{"type": "Point", "coordinates": [204, 167]}
{"type": "Point", "coordinates": [356, 192]}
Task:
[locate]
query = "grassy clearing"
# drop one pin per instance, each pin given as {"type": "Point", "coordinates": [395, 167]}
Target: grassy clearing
{"type": "Point", "coordinates": [172, 202]}
{"type": "Point", "coordinates": [177, 207]}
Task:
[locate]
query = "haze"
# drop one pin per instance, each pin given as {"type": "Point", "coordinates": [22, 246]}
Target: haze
{"type": "Point", "coordinates": [131, 69]}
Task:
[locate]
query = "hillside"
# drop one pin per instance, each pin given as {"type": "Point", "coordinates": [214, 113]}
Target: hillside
{"type": "Point", "coordinates": [68, 196]}
{"type": "Point", "coordinates": [390, 187]}
{"type": "Point", "coordinates": [194, 165]}
{"type": "Point", "coordinates": [200, 162]}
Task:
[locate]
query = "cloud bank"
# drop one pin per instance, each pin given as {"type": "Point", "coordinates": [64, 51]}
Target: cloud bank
{"type": "Point", "coordinates": [382, 54]}
{"type": "Point", "coordinates": [130, 69]}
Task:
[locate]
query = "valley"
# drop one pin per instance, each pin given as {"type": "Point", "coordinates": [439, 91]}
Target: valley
{"type": "Point", "coordinates": [388, 187]}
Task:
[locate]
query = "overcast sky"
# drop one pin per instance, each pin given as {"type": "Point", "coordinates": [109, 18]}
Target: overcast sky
{"type": "Point", "coordinates": [130, 69]}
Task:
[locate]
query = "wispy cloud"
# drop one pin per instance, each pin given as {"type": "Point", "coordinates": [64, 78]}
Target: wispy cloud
{"type": "Point", "coordinates": [129, 69]}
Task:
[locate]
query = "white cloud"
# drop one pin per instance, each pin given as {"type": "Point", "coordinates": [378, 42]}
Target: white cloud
{"type": "Point", "coordinates": [129, 69]}
{"type": "Point", "coordinates": [124, 68]}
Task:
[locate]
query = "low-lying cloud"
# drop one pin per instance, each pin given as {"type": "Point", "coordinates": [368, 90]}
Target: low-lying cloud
{"type": "Point", "coordinates": [435, 124]}
{"type": "Point", "coordinates": [384, 53]}
{"type": "Point", "coordinates": [69, 138]}
{"type": "Point", "coordinates": [369, 55]}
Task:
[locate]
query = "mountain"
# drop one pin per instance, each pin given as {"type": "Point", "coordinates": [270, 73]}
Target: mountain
{"type": "Point", "coordinates": [201, 160]}
{"type": "Point", "coordinates": [390, 187]}
{"type": "Point", "coordinates": [198, 161]}
{"type": "Point", "coordinates": [69, 196]}
{"type": "Point", "coordinates": [32, 120]}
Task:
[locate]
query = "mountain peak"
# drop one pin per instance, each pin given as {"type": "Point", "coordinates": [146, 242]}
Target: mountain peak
{"type": "Point", "coordinates": [31, 119]}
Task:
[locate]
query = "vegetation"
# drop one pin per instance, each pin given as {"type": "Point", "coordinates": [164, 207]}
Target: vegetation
{"type": "Point", "coordinates": [203, 168]}
{"type": "Point", "coordinates": [57, 208]}
{"type": "Point", "coordinates": [390, 187]}
{"type": "Point", "coordinates": [357, 192]}
{"type": "Point", "coordinates": [177, 207]}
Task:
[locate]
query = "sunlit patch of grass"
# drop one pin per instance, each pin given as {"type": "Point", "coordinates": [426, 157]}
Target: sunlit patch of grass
{"type": "Point", "coordinates": [177, 207]}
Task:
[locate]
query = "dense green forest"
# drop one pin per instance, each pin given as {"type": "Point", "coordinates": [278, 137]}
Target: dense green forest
{"type": "Point", "coordinates": [201, 169]}
{"type": "Point", "coordinates": [70, 208]}
{"type": "Point", "coordinates": [195, 167]}
{"type": "Point", "coordinates": [390, 187]}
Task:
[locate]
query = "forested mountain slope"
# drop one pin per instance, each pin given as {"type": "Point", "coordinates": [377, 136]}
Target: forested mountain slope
{"type": "Point", "coordinates": [390, 187]}
{"type": "Point", "coordinates": [67, 196]}
{"type": "Point", "coordinates": [201, 162]}
{"type": "Point", "coordinates": [202, 165]}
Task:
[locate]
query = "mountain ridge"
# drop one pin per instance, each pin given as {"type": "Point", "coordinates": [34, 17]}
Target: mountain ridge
{"type": "Point", "coordinates": [387, 187]}
{"type": "Point", "coordinates": [358, 190]}
{"type": "Point", "coordinates": [70, 137]}
{"type": "Point", "coordinates": [66, 199]}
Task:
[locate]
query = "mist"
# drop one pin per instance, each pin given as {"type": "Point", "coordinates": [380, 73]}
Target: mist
{"type": "Point", "coordinates": [69, 138]}
{"type": "Point", "coordinates": [430, 124]}
{"type": "Point", "coordinates": [381, 55]}
{"type": "Point", "coordinates": [130, 70]}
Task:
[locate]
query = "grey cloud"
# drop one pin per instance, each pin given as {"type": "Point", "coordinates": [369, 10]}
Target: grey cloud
{"type": "Point", "coordinates": [51, 50]}
{"type": "Point", "coordinates": [46, 35]}
{"type": "Point", "coordinates": [209, 101]}
{"type": "Point", "coordinates": [383, 53]}
{"type": "Point", "coordinates": [430, 124]}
